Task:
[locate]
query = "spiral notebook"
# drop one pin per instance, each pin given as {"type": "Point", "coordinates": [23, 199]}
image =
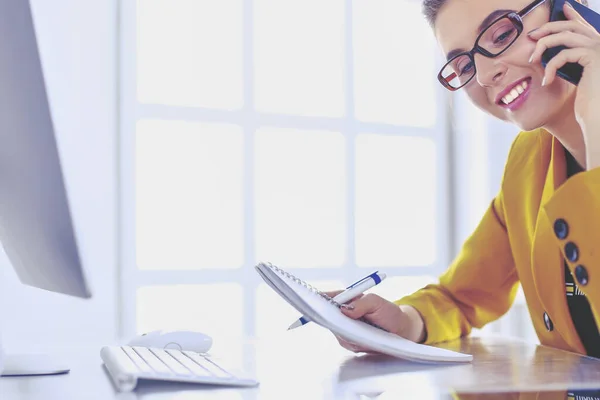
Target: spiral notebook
{"type": "Point", "coordinates": [324, 311]}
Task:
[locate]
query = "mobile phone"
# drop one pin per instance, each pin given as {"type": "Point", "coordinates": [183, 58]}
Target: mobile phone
{"type": "Point", "coordinates": [571, 72]}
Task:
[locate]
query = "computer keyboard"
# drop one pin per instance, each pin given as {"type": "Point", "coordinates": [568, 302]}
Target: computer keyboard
{"type": "Point", "coordinates": [126, 365]}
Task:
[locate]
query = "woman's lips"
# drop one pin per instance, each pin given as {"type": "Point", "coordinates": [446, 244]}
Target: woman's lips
{"type": "Point", "coordinates": [522, 89]}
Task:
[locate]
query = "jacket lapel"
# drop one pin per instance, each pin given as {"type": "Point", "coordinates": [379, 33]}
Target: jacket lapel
{"type": "Point", "coordinates": [547, 259]}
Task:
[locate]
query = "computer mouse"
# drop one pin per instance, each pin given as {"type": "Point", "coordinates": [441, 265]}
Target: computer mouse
{"type": "Point", "coordinates": [178, 340]}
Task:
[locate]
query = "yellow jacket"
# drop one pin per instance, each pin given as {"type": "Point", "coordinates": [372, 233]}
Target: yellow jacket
{"type": "Point", "coordinates": [520, 239]}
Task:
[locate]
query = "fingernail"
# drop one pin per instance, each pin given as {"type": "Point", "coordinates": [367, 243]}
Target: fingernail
{"type": "Point", "coordinates": [569, 5]}
{"type": "Point", "coordinates": [350, 306]}
{"type": "Point", "coordinates": [544, 81]}
{"type": "Point", "coordinates": [531, 31]}
{"type": "Point", "coordinates": [530, 59]}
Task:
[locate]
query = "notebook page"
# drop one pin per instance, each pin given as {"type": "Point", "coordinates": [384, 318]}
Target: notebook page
{"type": "Point", "coordinates": [283, 288]}
{"type": "Point", "coordinates": [329, 316]}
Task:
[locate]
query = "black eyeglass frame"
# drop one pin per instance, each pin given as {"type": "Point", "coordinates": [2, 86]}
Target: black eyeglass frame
{"type": "Point", "coordinates": [517, 20]}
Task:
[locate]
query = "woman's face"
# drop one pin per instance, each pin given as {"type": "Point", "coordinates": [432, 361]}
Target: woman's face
{"type": "Point", "coordinates": [456, 27]}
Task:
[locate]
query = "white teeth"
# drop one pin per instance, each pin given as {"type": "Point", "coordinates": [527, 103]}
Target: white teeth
{"type": "Point", "coordinates": [517, 90]}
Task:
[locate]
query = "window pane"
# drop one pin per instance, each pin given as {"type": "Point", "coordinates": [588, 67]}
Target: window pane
{"type": "Point", "coordinates": [395, 201]}
{"type": "Point", "coordinates": [189, 203]}
{"type": "Point", "coordinates": [274, 315]}
{"type": "Point", "coordinates": [300, 197]}
{"type": "Point", "coordinates": [189, 52]}
{"type": "Point", "coordinates": [394, 74]}
{"type": "Point", "coordinates": [191, 307]}
{"type": "Point", "coordinates": [299, 57]}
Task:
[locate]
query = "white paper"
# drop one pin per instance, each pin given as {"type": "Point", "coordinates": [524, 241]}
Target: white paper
{"type": "Point", "coordinates": [328, 315]}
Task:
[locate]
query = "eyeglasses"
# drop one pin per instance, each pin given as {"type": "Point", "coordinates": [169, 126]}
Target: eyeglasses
{"type": "Point", "coordinates": [491, 42]}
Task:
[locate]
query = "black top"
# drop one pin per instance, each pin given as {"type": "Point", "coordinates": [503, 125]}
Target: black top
{"type": "Point", "coordinates": [579, 307]}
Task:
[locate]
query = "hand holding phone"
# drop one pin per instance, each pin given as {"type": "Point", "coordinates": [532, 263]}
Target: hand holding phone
{"type": "Point", "coordinates": [578, 63]}
{"type": "Point", "coordinates": [570, 71]}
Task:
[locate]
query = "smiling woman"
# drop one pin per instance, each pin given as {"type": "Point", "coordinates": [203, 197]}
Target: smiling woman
{"type": "Point", "coordinates": [541, 228]}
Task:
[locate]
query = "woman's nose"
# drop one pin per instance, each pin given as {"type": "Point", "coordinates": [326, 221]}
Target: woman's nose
{"type": "Point", "coordinates": [489, 70]}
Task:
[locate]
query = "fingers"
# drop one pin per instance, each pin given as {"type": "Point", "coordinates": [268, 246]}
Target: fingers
{"type": "Point", "coordinates": [334, 293]}
{"type": "Point", "coordinates": [351, 346]}
{"type": "Point", "coordinates": [579, 55]}
{"type": "Point", "coordinates": [367, 304]}
{"type": "Point", "coordinates": [565, 38]}
{"type": "Point", "coordinates": [572, 14]}
{"type": "Point", "coordinates": [347, 345]}
{"type": "Point", "coordinates": [575, 23]}
{"type": "Point", "coordinates": [582, 28]}
{"type": "Point", "coordinates": [562, 26]}
{"type": "Point", "coordinates": [581, 40]}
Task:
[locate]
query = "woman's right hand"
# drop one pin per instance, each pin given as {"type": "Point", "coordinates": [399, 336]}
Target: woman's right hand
{"type": "Point", "coordinates": [401, 320]}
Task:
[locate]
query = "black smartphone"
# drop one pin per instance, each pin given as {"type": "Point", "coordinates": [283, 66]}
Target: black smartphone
{"type": "Point", "coordinates": [570, 71]}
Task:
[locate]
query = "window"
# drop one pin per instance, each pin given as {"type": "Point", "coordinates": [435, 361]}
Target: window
{"type": "Point", "coordinates": [296, 132]}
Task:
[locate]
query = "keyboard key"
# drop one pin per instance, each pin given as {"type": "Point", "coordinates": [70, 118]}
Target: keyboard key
{"type": "Point", "coordinates": [194, 367]}
{"type": "Point", "coordinates": [135, 357]}
{"type": "Point", "coordinates": [209, 365]}
{"type": "Point", "coordinates": [124, 362]}
{"type": "Point", "coordinates": [171, 362]}
{"type": "Point", "coordinates": [127, 364]}
{"type": "Point", "coordinates": [155, 363]}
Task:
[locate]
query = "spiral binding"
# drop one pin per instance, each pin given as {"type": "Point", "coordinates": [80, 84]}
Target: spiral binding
{"type": "Point", "coordinates": [303, 283]}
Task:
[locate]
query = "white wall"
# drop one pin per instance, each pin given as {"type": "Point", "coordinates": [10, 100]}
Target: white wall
{"type": "Point", "coordinates": [480, 144]}
{"type": "Point", "coordinates": [78, 46]}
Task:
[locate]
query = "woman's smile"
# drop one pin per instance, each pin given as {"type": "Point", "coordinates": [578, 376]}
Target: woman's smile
{"type": "Point", "coordinates": [515, 94]}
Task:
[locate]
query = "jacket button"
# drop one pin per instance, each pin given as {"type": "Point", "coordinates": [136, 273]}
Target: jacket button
{"type": "Point", "coordinates": [548, 322]}
{"type": "Point", "coordinates": [561, 229]}
{"type": "Point", "coordinates": [571, 252]}
{"type": "Point", "coordinates": [581, 275]}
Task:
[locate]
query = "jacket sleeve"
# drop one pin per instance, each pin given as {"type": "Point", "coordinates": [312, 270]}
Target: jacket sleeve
{"type": "Point", "coordinates": [478, 287]}
{"type": "Point", "coordinates": [574, 214]}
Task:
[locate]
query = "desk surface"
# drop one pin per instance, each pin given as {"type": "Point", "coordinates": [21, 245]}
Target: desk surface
{"type": "Point", "coordinates": [311, 365]}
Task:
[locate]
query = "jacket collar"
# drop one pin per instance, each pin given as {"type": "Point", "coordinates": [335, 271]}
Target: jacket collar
{"type": "Point", "coordinates": [547, 258]}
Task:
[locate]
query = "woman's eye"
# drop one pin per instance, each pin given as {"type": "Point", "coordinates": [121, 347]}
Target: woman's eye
{"type": "Point", "coordinates": [466, 69]}
{"type": "Point", "coordinates": [504, 36]}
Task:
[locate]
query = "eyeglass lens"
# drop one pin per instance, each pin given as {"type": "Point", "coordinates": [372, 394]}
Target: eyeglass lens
{"type": "Point", "coordinates": [495, 39]}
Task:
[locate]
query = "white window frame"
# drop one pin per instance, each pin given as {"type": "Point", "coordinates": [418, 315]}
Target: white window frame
{"type": "Point", "coordinates": [130, 111]}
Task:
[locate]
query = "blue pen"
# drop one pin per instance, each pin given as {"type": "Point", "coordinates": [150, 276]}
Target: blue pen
{"type": "Point", "coordinates": [351, 292]}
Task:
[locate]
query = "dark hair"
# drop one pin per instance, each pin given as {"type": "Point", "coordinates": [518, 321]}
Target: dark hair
{"type": "Point", "coordinates": [431, 9]}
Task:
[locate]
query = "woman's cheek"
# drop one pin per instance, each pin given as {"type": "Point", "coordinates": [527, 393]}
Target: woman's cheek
{"type": "Point", "coordinates": [478, 96]}
{"type": "Point", "coordinates": [481, 100]}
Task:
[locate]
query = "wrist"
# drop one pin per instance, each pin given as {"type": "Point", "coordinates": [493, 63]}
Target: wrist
{"type": "Point", "coordinates": [415, 329]}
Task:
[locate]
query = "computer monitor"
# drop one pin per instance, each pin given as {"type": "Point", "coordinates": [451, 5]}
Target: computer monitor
{"type": "Point", "coordinates": [36, 228]}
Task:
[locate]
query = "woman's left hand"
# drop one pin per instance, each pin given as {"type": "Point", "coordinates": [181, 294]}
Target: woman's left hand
{"type": "Point", "coordinates": [583, 47]}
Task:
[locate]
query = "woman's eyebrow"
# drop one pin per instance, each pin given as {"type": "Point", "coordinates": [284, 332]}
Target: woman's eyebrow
{"type": "Point", "coordinates": [491, 18]}
{"type": "Point", "coordinates": [484, 24]}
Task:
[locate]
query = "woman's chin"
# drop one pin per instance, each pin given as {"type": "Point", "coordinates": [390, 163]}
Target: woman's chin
{"type": "Point", "coordinates": [524, 121]}
{"type": "Point", "coordinates": [530, 124]}
{"type": "Point", "coordinates": [530, 127]}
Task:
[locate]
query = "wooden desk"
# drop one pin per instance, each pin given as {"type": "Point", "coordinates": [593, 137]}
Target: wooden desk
{"type": "Point", "coordinates": [309, 364]}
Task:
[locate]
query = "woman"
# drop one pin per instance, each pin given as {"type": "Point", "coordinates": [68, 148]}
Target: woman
{"type": "Point", "coordinates": [543, 227]}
